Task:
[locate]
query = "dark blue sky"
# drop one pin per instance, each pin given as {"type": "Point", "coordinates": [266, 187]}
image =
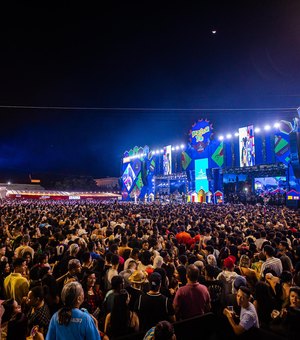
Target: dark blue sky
{"type": "Point", "coordinates": [135, 56]}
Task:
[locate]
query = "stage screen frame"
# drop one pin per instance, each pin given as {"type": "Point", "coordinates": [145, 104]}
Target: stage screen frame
{"type": "Point", "coordinates": [246, 146]}
{"type": "Point", "coordinates": [167, 160]}
{"type": "Point", "coordinates": [128, 177]}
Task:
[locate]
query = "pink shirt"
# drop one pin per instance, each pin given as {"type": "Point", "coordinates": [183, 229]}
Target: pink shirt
{"type": "Point", "coordinates": [191, 300]}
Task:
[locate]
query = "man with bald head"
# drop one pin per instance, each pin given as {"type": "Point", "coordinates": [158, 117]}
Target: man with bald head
{"type": "Point", "coordinates": [192, 299]}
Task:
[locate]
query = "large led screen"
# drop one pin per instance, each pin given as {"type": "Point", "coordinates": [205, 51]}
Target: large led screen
{"type": "Point", "coordinates": [270, 184]}
{"type": "Point", "coordinates": [128, 177]}
{"type": "Point", "coordinates": [247, 146]}
{"type": "Point", "coordinates": [201, 181]}
{"type": "Point", "coordinates": [167, 160]}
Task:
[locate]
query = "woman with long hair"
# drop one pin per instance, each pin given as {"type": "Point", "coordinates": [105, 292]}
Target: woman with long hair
{"type": "Point", "coordinates": [121, 321]}
{"type": "Point", "coordinates": [70, 322]}
{"type": "Point", "coordinates": [264, 303]}
{"type": "Point", "coordinates": [93, 297]}
{"type": "Point", "coordinates": [5, 270]}
{"type": "Point", "coordinates": [14, 322]}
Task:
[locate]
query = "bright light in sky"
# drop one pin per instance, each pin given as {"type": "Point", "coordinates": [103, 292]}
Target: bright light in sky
{"type": "Point", "coordinates": [213, 31]}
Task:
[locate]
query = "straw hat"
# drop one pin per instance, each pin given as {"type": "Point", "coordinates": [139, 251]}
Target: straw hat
{"type": "Point", "coordinates": [138, 276]}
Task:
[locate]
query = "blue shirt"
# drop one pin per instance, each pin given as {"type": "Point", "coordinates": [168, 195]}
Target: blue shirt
{"type": "Point", "coordinates": [81, 327]}
{"type": "Point", "coordinates": [248, 317]}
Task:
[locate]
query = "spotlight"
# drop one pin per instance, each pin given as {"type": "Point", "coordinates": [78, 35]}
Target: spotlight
{"type": "Point", "coordinates": [277, 125]}
{"type": "Point", "coordinates": [229, 136]}
{"type": "Point", "coordinates": [221, 137]}
{"type": "Point", "coordinates": [257, 129]}
{"type": "Point", "coordinates": [182, 146]}
{"type": "Point", "coordinates": [161, 151]}
{"type": "Point", "coordinates": [267, 127]}
{"type": "Point", "coordinates": [236, 134]}
{"type": "Point", "coordinates": [177, 147]}
{"type": "Point", "coordinates": [173, 148]}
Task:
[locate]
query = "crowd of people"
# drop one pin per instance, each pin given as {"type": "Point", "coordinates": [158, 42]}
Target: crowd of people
{"type": "Point", "coordinates": [89, 270]}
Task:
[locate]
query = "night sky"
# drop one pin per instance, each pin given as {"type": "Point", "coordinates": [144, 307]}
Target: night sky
{"type": "Point", "coordinates": [138, 56]}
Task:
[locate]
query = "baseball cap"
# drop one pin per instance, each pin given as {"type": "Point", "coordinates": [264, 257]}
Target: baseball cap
{"type": "Point", "coordinates": [228, 263]}
{"type": "Point", "coordinates": [154, 280]}
{"type": "Point", "coordinates": [239, 281]}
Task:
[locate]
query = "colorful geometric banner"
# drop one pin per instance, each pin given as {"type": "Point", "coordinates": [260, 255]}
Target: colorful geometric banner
{"type": "Point", "coordinates": [139, 183]}
{"type": "Point", "coordinates": [282, 148]}
{"type": "Point", "coordinates": [218, 155]}
{"type": "Point", "coordinates": [185, 160]}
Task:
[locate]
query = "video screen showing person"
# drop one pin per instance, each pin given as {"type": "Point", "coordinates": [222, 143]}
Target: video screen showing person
{"type": "Point", "coordinates": [167, 160]}
{"type": "Point", "coordinates": [128, 177]}
{"type": "Point", "coordinates": [246, 146]}
{"type": "Point", "coordinates": [270, 184]}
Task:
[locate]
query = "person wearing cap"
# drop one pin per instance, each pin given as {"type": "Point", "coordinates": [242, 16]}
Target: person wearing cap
{"type": "Point", "coordinates": [230, 299]}
{"type": "Point", "coordinates": [248, 316]}
{"type": "Point", "coordinates": [193, 299]}
{"type": "Point", "coordinates": [135, 289]}
{"type": "Point", "coordinates": [153, 307]}
{"type": "Point", "coordinates": [228, 275]}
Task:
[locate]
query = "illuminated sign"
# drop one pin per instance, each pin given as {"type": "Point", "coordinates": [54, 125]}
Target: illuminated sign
{"type": "Point", "coordinates": [293, 197]}
{"type": "Point", "coordinates": [201, 181]}
{"type": "Point", "coordinates": [200, 135]}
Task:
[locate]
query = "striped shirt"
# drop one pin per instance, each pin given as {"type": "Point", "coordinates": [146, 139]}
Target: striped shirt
{"type": "Point", "coordinates": [272, 263]}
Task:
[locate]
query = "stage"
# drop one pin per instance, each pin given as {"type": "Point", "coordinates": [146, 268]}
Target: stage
{"type": "Point", "coordinates": [252, 160]}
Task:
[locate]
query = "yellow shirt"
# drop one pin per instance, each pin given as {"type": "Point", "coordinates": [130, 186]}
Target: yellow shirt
{"type": "Point", "coordinates": [16, 287]}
